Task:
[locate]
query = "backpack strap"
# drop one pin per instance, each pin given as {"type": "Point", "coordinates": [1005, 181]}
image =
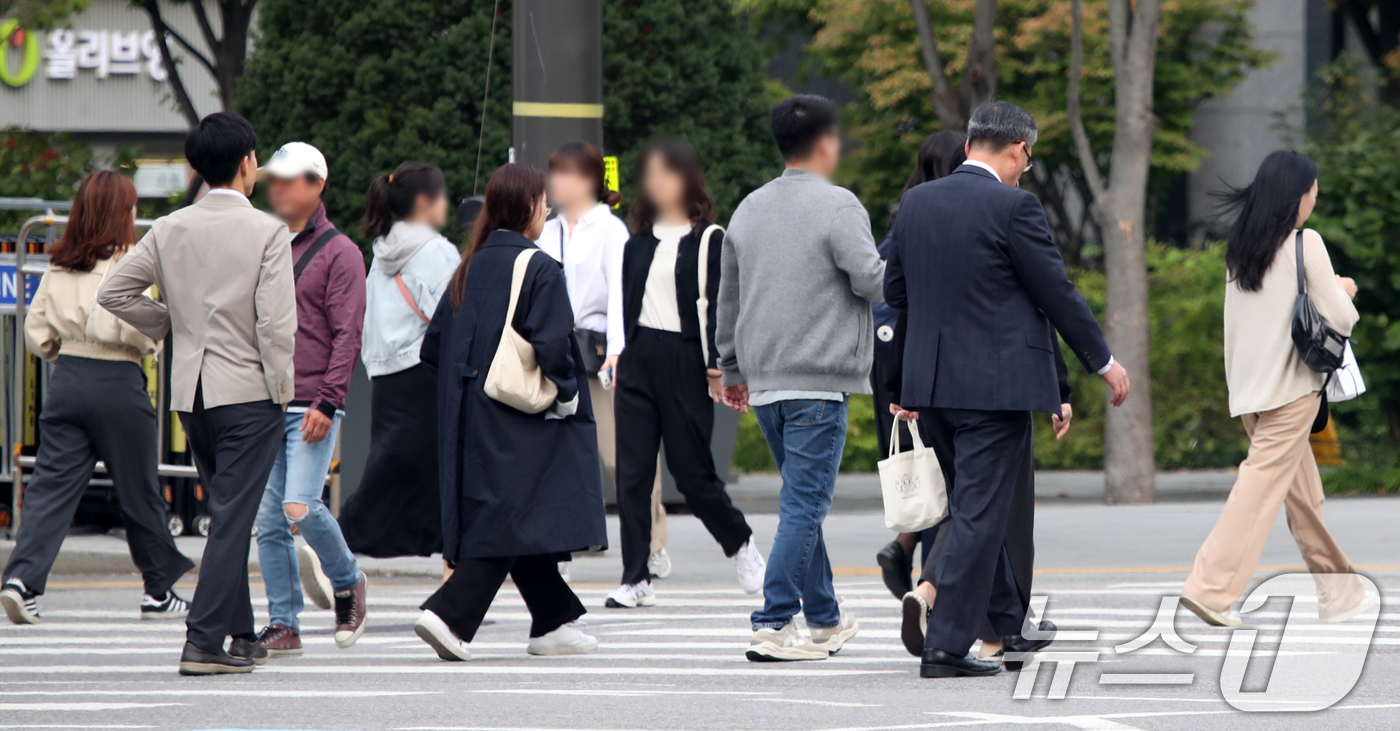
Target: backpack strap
{"type": "Point", "coordinates": [408, 297]}
{"type": "Point", "coordinates": [702, 304]}
{"type": "Point", "coordinates": [310, 253]}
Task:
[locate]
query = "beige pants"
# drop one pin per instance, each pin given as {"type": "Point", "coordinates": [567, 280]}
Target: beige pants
{"type": "Point", "coordinates": [1279, 470]}
{"type": "Point", "coordinates": [607, 447]}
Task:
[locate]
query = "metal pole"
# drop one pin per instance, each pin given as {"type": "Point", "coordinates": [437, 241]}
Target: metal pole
{"type": "Point", "coordinates": [556, 76]}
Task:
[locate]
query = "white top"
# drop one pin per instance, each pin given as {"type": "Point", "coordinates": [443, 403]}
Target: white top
{"type": "Point", "coordinates": [592, 257]}
{"type": "Point", "coordinates": [225, 191]}
{"type": "Point", "coordinates": [659, 308]}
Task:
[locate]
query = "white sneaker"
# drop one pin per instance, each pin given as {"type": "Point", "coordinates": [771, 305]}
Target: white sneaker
{"type": "Point", "coordinates": [781, 645]}
{"type": "Point", "coordinates": [431, 629]}
{"type": "Point", "coordinates": [832, 638]}
{"type": "Point", "coordinates": [1210, 616]}
{"type": "Point", "coordinates": [659, 565]}
{"type": "Point", "coordinates": [564, 570]}
{"type": "Point", "coordinates": [314, 582]}
{"type": "Point", "coordinates": [21, 605]}
{"type": "Point", "coordinates": [567, 640]}
{"type": "Point", "coordinates": [631, 596]}
{"type": "Point", "coordinates": [749, 565]}
{"type": "Point", "coordinates": [1366, 604]}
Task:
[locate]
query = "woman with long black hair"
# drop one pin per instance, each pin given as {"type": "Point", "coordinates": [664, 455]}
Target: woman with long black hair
{"type": "Point", "coordinates": [670, 285]}
{"type": "Point", "coordinates": [97, 407]}
{"type": "Point", "coordinates": [517, 488]}
{"type": "Point", "coordinates": [1276, 395]}
{"type": "Point", "coordinates": [395, 511]}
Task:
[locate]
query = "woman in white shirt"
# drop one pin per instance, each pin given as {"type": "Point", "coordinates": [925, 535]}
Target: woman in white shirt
{"type": "Point", "coordinates": [96, 407]}
{"type": "Point", "coordinates": [670, 373]}
{"type": "Point", "coordinates": [588, 240]}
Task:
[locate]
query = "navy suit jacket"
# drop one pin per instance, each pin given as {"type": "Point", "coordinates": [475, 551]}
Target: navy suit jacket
{"type": "Point", "coordinates": [973, 264]}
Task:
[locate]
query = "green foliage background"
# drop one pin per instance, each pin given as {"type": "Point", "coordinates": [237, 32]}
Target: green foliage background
{"type": "Point", "coordinates": [375, 82]}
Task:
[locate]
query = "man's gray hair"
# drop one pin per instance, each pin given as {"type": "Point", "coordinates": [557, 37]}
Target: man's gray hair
{"type": "Point", "coordinates": [1001, 124]}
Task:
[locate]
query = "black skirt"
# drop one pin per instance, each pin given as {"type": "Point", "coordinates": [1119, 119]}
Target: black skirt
{"type": "Point", "coordinates": [397, 511]}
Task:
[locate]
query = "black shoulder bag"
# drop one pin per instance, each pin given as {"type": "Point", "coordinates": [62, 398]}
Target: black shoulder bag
{"type": "Point", "coordinates": [310, 253]}
{"type": "Point", "coordinates": [1320, 347]}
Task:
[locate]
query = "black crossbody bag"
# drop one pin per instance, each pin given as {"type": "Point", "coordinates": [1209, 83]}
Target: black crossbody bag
{"type": "Point", "coordinates": [1319, 346]}
{"type": "Point", "coordinates": [592, 345]}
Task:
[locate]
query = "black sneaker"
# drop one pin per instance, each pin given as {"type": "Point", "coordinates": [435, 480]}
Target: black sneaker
{"type": "Point", "coordinates": [21, 605]}
{"type": "Point", "coordinates": [248, 649]}
{"type": "Point", "coordinates": [195, 661]}
{"type": "Point", "coordinates": [170, 607]}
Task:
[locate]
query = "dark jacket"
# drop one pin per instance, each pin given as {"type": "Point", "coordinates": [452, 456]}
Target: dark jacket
{"type": "Point", "coordinates": [974, 265]}
{"type": "Point", "coordinates": [886, 318]}
{"type": "Point", "coordinates": [330, 315]}
{"type": "Point", "coordinates": [636, 266]}
{"type": "Point", "coordinates": [512, 484]}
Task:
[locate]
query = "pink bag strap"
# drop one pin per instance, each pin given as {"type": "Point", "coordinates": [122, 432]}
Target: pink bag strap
{"type": "Point", "coordinates": [407, 297]}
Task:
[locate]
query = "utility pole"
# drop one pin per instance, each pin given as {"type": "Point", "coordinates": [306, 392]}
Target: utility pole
{"type": "Point", "coordinates": [556, 77]}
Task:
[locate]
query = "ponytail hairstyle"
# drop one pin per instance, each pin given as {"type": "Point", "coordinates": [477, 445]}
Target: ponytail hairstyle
{"type": "Point", "coordinates": [1268, 211]}
{"type": "Point", "coordinates": [584, 159]}
{"type": "Point", "coordinates": [678, 156]}
{"type": "Point", "coordinates": [391, 197]}
{"type": "Point", "coordinates": [100, 224]}
{"type": "Point", "coordinates": [511, 196]}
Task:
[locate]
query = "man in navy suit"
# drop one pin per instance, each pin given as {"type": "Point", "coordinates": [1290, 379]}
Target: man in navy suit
{"type": "Point", "coordinates": [974, 266]}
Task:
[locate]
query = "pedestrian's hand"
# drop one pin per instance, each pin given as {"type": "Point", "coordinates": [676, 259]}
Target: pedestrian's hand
{"type": "Point", "coordinates": [737, 397]}
{"type": "Point", "coordinates": [903, 414]}
{"type": "Point", "coordinates": [314, 426]}
{"type": "Point", "coordinates": [1061, 425]}
{"type": "Point", "coordinates": [610, 364]}
{"type": "Point", "coordinates": [1117, 379]}
{"type": "Point", "coordinates": [716, 388]}
{"type": "Point", "coordinates": [1348, 285]}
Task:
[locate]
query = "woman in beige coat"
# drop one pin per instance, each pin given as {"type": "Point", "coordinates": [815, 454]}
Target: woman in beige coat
{"type": "Point", "coordinates": [1277, 397]}
{"type": "Point", "coordinates": [96, 407]}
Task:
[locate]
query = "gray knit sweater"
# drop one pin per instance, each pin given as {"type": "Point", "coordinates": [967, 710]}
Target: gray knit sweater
{"type": "Point", "coordinates": [798, 274]}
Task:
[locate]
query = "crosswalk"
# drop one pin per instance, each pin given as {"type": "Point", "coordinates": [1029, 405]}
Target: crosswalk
{"type": "Point", "coordinates": [93, 664]}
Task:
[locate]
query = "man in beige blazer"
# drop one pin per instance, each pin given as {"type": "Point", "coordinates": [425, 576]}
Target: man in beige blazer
{"type": "Point", "coordinates": [224, 271]}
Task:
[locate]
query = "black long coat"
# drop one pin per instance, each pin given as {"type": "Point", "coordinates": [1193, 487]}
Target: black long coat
{"type": "Point", "coordinates": [512, 484]}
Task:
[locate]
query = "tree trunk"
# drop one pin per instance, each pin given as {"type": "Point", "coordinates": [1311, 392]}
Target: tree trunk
{"type": "Point", "coordinates": [172, 72]}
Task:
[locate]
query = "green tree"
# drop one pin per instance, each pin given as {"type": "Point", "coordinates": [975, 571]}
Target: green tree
{"type": "Point", "coordinates": [373, 83]}
{"type": "Point", "coordinates": [41, 13]}
{"type": "Point", "coordinates": [688, 68]}
{"type": "Point", "coordinates": [39, 165]}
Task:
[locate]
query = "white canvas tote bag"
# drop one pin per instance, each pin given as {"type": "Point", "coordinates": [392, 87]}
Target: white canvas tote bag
{"type": "Point", "coordinates": [915, 494]}
{"type": "Point", "coordinates": [515, 379]}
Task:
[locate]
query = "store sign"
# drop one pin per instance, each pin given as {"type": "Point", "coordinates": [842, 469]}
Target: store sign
{"type": "Point", "coordinates": [68, 52]}
{"type": "Point", "coordinates": [7, 286]}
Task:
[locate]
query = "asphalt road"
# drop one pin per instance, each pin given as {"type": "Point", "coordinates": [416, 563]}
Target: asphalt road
{"type": "Point", "coordinates": [680, 665]}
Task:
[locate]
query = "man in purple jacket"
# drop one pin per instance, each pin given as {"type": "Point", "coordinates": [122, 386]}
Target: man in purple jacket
{"type": "Point", "coordinates": [329, 271]}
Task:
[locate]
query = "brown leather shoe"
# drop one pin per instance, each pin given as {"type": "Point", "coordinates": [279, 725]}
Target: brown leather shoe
{"type": "Point", "coordinates": [280, 641]}
{"type": "Point", "coordinates": [350, 614]}
{"type": "Point", "coordinates": [194, 661]}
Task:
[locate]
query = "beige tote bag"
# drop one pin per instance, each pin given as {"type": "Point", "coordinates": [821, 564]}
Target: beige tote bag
{"type": "Point", "coordinates": [515, 379]}
{"type": "Point", "coordinates": [916, 496]}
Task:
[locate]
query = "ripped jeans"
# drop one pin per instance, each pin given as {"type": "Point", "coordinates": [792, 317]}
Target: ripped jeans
{"type": "Point", "coordinates": [298, 478]}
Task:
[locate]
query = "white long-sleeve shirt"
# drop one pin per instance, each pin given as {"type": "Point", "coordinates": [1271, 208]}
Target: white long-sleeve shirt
{"type": "Point", "coordinates": [592, 258]}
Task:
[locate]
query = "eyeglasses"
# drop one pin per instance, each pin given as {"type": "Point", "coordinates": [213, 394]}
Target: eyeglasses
{"type": "Point", "coordinates": [1029, 164]}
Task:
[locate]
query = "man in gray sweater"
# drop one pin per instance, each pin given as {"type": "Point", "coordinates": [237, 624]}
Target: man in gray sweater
{"type": "Point", "coordinates": [794, 335]}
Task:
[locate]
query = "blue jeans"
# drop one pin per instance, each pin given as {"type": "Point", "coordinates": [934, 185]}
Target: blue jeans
{"type": "Point", "coordinates": [298, 478]}
{"type": "Point", "coordinates": [806, 438]}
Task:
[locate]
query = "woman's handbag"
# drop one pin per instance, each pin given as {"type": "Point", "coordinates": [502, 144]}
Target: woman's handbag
{"type": "Point", "coordinates": [1319, 346]}
{"type": "Point", "coordinates": [514, 378]}
{"type": "Point", "coordinates": [916, 496]}
{"type": "Point", "coordinates": [1346, 381]}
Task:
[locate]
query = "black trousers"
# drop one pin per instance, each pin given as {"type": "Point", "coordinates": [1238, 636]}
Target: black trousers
{"type": "Point", "coordinates": [663, 400]}
{"type": "Point", "coordinates": [462, 601]}
{"type": "Point", "coordinates": [96, 409]}
{"type": "Point", "coordinates": [234, 448]}
{"type": "Point", "coordinates": [982, 454]}
{"type": "Point", "coordinates": [880, 370]}
{"type": "Point", "coordinates": [1019, 540]}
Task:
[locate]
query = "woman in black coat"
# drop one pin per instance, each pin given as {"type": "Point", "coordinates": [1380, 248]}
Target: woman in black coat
{"type": "Point", "coordinates": [516, 488]}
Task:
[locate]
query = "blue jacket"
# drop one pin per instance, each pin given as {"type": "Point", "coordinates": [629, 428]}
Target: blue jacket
{"type": "Point", "coordinates": [393, 333]}
{"type": "Point", "coordinates": [886, 317]}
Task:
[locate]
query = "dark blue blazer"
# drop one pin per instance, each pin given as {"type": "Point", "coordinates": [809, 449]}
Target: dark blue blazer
{"type": "Point", "coordinates": [973, 264]}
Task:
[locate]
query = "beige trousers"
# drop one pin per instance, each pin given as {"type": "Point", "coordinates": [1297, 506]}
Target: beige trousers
{"type": "Point", "coordinates": [607, 447]}
{"type": "Point", "coordinates": [1279, 471]}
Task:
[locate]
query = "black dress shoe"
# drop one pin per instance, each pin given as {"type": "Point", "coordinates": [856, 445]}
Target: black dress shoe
{"type": "Point", "coordinates": [939, 664]}
{"type": "Point", "coordinates": [248, 650]}
{"type": "Point", "coordinates": [1015, 645]}
{"type": "Point", "coordinates": [195, 661]}
{"type": "Point", "coordinates": [896, 567]}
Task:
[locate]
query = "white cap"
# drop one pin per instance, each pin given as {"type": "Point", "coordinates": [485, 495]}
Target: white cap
{"type": "Point", "coordinates": [294, 160]}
